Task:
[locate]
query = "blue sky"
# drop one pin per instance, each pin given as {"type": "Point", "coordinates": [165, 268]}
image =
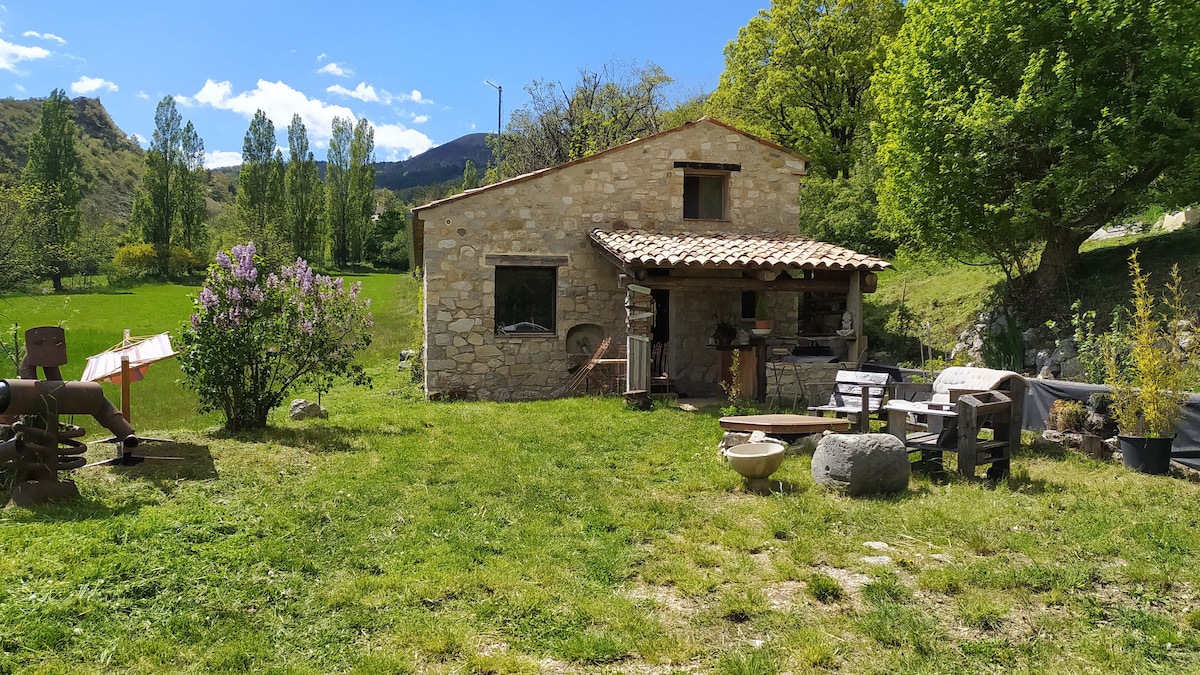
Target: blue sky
{"type": "Point", "coordinates": [416, 70]}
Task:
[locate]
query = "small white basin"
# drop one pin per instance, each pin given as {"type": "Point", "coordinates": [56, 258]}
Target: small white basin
{"type": "Point", "coordinates": [755, 460]}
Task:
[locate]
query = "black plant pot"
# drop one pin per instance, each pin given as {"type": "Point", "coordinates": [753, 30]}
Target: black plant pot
{"type": "Point", "coordinates": [1146, 455]}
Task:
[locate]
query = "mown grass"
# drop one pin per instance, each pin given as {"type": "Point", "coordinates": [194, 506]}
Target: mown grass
{"type": "Point", "coordinates": [579, 536]}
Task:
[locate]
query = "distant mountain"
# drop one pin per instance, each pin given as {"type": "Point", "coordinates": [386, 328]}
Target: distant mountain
{"type": "Point", "coordinates": [112, 161]}
{"type": "Point", "coordinates": [436, 165]}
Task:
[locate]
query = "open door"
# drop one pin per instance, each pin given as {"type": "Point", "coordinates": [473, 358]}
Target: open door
{"type": "Point", "coordinates": [660, 341]}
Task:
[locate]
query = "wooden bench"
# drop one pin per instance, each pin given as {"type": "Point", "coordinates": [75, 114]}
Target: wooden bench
{"type": "Point", "coordinates": [857, 393]}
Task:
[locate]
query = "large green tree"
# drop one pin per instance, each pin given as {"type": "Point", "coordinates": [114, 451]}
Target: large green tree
{"type": "Point", "coordinates": [193, 179]}
{"type": "Point", "coordinates": [52, 173]}
{"type": "Point", "coordinates": [362, 186]}
{"type": "Point", "coordinates": [156, 206]}
{"type": "Point", "coordinates": [1006, 124]}
{"type": "Point", "coordinates": [303, 196]}
{"type": "Point", "coordinates": [800, 73]}
{"type": "Point", "coordinates": [260, 189]}
{"type": "Point", "coordinates": [337, 190]}
{"type": "Point", "coordinates": [565, 122]}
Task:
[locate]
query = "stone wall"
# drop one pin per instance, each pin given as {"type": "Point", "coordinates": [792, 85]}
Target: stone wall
{"type": "Point", "coordinates": [550, 214]}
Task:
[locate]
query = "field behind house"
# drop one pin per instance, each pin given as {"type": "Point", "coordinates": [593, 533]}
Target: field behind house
{"type": "Point", "coordinates": [564, 536]}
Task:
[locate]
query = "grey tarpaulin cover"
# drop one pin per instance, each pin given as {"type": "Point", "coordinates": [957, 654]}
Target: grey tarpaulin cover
{"type": "Point", "coordinates": [1044, 392]}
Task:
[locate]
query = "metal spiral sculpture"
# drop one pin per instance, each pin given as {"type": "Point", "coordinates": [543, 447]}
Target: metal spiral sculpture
{"type": "Point", "coordinates": [36, 445]}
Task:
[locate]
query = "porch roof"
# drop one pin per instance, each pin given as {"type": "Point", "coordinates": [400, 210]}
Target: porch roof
{"type": "Point", "coordinates": [724, 250]}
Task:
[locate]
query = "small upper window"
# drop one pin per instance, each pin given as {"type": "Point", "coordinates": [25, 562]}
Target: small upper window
{"type": "Point", "coordinates": [704, 196]}
{"type": "Point", "coordinates": [525, 299]}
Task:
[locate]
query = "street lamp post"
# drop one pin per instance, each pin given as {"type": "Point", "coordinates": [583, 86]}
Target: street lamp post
{"type": "Point", "coordinates": [499, 117]}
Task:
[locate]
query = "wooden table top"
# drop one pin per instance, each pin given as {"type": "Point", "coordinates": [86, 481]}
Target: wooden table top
{"type": "Point", "coordinates": [785, 424]}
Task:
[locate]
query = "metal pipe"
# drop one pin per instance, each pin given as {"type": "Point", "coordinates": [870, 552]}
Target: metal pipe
{"type": "Point", "coordinates": [24, 397]}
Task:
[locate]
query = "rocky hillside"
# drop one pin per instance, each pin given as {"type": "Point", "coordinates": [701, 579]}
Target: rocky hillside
{"type": "Point", "coordinates": [436, 165]}
{"type": "Point", "coordinates": [112, 161]}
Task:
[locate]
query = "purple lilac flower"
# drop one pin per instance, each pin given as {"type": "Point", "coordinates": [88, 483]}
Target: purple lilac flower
{"type": "Point", "coordinates": [245, 269]}
{"type": "Point", "coordinates": [223, 260]}
{"type": "Point", "coordinates": [207, 298]}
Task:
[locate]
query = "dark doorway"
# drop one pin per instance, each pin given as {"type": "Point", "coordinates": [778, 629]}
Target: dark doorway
{"type": "Point", "coordinates": [660, 335]}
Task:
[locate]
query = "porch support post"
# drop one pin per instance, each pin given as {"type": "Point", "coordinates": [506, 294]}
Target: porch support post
{"type": "Point", "coordinates": [854, 305]}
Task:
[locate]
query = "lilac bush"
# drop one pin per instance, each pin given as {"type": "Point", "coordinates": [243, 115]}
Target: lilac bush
{"type": "Point", "coordinates": [253, 339]}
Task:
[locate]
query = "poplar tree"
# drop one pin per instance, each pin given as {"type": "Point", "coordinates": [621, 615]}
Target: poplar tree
{"type": "Point", "coordinates": [303, 196]}
{"type": "Point", "coordinates": [362, 186]}
{"type": "Point", "coordinates": [52, 174]}
{"type": "Point", "coordinates": [157, 204]}
{"type": "Point", "coordinates": [337, 190]}
{"type": "Point", "coordinates": [260, 189]}
{"type": "Point", "coordinates": [192, 180]}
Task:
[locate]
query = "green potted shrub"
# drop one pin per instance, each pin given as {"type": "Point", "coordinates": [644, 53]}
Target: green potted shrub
{"type": "Point", "coordinates": [724, 332]}
{"type": "Point", "coordinates": [1150, 381]}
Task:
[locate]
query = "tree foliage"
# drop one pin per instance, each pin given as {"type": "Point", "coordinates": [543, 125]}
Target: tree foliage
{"type": "Point", "coordinates": [1008, 124]}
{"type": "Point", "coordinates": [169, 206]}
{"type": "Point", "coordinates": [17, 260]}
{"type": "Point", "coordinates": [303, 196]}
{"type": "Point", "coordinates": [337, 190]}
{"type": "Point", "coordinates": [800, 72]}
{"type": "Point", "coordinates": [362, 187]}
{"type": "Point", "coordinates": [52, 174]}
{"type": "Point", "coordinates": [260, 190]}
{"type": "Point", "coordinates": [603, 109]}
{"type": "Point", "coordinates": [193, 179]}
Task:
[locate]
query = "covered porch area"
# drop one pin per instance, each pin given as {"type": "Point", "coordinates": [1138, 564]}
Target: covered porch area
{"type": "Point", "coordinates": [783, 299]}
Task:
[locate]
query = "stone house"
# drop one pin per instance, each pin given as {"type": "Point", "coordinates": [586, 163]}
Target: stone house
{"type": "Point", "coordinates": [649, 243]}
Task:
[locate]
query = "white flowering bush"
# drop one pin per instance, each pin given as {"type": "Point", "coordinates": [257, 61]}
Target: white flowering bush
{"type": "Point", "coordinates": [252, 340]}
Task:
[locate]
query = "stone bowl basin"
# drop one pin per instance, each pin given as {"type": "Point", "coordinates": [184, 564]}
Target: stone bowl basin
{"type": "Point", "coordinates": [755, 460]}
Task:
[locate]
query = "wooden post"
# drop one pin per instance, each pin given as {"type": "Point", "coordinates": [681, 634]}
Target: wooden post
{"type": "Point", "coordinates": [968, 436]}
{"type": "Point", "coordinates": [125, 386]}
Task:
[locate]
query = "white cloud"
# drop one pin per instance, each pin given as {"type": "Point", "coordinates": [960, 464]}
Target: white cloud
{"type": "Point", "coordinates": [321, 57]}
{"type": "Point", "coordinates": [332, 68]}
{"type": "Point", "coordinates": [363, 92]}
{"type": "Point", "coordinates": [143, 95]}
{"type": "Point", "coordinates": [44, 36]}
{"type": "Point", "coordinates": [219, 158]}
{"type": "Point", "coordinates": [395, 142]}
{"type": "Point", "coordinates": [420, 119]}
{"type": "Point", "coordinates": [278, 100]}
{"type": "Point", "coordinates": [11, 54]}
{"type": "Point", "coordinates": [141, 140]}
{"type": "Point", "coordinates": [416, 97]}
{"type": "Point", "coordinates": [88, 85]}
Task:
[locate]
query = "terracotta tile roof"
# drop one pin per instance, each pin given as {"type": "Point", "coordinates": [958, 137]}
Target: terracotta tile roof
{"type": "Point", "coordinates": [716, 250]}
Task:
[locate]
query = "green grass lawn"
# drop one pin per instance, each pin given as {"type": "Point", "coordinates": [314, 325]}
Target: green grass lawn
{"type": "Point", "coordinates": [571, 536]}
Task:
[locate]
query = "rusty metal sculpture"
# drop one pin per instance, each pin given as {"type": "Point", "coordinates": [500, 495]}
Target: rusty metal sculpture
{"type": "Point", "coordinates": [36, 444]}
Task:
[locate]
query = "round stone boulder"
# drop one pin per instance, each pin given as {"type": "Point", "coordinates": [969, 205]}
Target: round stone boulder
{"type": "Point", "coordinates": [861, 464]}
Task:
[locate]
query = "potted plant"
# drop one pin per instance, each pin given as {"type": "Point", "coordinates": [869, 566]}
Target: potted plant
{"type": "Point", "coordinates": [724, 332]}
{"type": "Point", "coordinates": [1151, 379]}
{"type": "Point", "coordinates": [761, 313]}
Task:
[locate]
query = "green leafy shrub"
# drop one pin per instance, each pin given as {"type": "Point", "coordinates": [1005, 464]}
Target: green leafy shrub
{"type": "Point", "coordinates": [252, 339]}
{"type": "Point", "coordinates": [133, 261]}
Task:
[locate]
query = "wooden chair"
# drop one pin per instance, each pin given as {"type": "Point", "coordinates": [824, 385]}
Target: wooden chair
{"type": "Point", "coordinates": [962, 402]}
{"type": "Point", "coordinates": [857, 393]}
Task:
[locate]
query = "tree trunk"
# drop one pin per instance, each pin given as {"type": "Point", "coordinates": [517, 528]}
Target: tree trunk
{"type": "Point", "coordinates": [1058, 261]}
